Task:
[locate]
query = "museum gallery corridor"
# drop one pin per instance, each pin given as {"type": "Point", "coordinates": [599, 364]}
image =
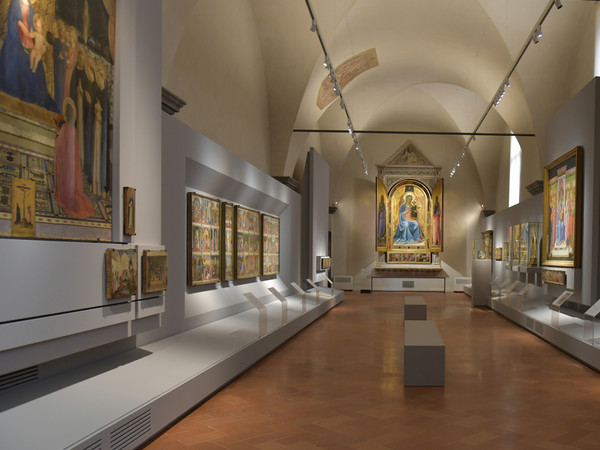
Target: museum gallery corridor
{"type": "Point", "coordinates": [339, 385]}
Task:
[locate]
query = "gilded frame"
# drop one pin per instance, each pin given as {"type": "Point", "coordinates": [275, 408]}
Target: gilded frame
{"type": "Point", "coordinates": [203, 239]}
{"type": "Point", "coordinates": [155, 271]}
{"type": "Point", "coordinates": [121, 273]}
{"type": "Point", "coordinates": [247, 243]}
{"type": "Point", "coordinates": [228, 242]}
{"type": "Point", "coordinates": [270, 244]}
{"type": "Point", "coordinates": [563, 210]}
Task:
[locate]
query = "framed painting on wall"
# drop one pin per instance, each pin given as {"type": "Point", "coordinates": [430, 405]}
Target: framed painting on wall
{"type": "Point", "coordinates": [129, 211]}
{"type": "Point", "coordinates": [498, 253]}
{"type": "Point", "coordinates": [228, 247]}
{"type": "Point", "coordinates": [247, 243]}
{"type": "Point", "coordinates": [562, 210]}
{"type": "Point", "coordinates": [203, 239]}
{"type": "Point", "coordinates": [121, 273]}
{"type": "Point", "coordinates": [409, 223]}
{"type": "Point", "coordinates": [64, 101]}
{"type": "Point", "coordinates": [154, 271]}
{"type": "Point", "coordinates": [270, 245]}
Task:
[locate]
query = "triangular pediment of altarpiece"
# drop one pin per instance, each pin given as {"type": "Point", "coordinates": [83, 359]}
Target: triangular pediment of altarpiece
{"type": "Point", "coordinates": [408, 155]}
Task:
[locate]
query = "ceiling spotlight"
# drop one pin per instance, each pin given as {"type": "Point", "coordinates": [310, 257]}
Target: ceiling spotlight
{"type": "Point", "coordinates": [342, 104]}
{"type": "Point", "coordinates": [558, 4]}
{"type": "Point", "coordinates": [535, 38]}
{"type": "Point", "coordinates": [508, 82]}
{"type": "Point", "coordinates": [313, 27]}
{"type": "Point", "coordinates": [474, 139]}
{"type": "Point", "coordinates": [539, 31]}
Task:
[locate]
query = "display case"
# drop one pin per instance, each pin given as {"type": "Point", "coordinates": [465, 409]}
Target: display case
{"type": "Point", "coordinates": [479, 251]}
{"type": "Point", "coordinates": [530, 244]}
{"type": "Point", "coordinates": [508, 247]}
{"type": "Point", "coordinates": [488, 242]}
{"type": "Point", "coordinates": [516, 244]}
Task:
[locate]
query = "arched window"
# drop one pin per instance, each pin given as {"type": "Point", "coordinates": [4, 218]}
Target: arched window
{"type": "Point", "coordinates": [514, 180]}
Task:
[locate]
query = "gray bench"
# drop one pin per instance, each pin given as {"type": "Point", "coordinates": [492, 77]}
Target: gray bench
{"type": "Point", "coordinates": [424, 354]}
{"type": "Point", "coordinates": [415, 308]}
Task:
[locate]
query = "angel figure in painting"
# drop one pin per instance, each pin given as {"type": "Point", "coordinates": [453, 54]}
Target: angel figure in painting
{"type": "Point", "coordinates": [436, 222]}
{"type": "Point", "coordinates": [381, 210]}
{"type": "Point", "coordinates": [409, 229]}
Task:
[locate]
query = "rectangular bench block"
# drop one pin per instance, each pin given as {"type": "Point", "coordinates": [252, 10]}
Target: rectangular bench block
{"type": "Point", "coordinates": [424, 354]}
{"type": "Point", "coordinates": [415, 308]}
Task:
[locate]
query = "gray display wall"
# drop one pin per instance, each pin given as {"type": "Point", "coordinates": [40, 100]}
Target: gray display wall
{"type": "Point", "coordinates": [315, 216]}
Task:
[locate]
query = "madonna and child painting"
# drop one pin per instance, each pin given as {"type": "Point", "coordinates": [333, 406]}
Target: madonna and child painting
{"type": "Point", "coordinates": [56, 101]}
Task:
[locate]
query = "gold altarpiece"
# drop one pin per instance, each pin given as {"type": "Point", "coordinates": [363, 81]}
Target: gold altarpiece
{"type": "Point", "coordinates": [409, 213]}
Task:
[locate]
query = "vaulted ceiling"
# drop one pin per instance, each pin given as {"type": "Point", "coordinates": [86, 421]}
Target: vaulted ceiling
{"type": "Point", "coordinates": [440, 63]}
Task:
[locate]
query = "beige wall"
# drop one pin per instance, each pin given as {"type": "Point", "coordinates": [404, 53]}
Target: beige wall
{"type": "Point", "coordinates": [213, 61]}
{"type": "Point", "coordinates": [353, 226]}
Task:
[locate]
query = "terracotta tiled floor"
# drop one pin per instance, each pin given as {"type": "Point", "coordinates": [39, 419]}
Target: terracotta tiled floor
{"type": "Point", "coordinates": [339, 385]}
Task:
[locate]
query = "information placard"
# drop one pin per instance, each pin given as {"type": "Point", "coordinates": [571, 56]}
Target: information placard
{"type": "Point", "coordinates": [300, 291]}
{"type": "Point", "coordinates": [525, 289]}
{"type": "Point", "coordinates": [504, 283]}
{"type": "Point", "coordinates": [512, 286]}
{"type": "Point", "coordinates": [594, 310]}
{"type": "Point", "coordinates": [255, 302]}
{"type": "Point", "coordinates": [562, 298]}
{"type": "Point", "coordinates": [312, 283]}
{"type": "Point", "coordinates": [277, 294]}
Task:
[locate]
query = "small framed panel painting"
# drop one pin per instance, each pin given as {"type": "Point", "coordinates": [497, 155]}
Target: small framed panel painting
{"type": "Point", "coordinates": [23, 208]}
{"type": "Point", "coordinates": [498, 253]}
{"type": "Point", "coordinates": [121, 273]}
{"type": "Point", "coordinates": [561, 236]}
{"type": "Point", "coordinates": [554, 277]}
{"type": "Point", "coordinates": [247, 243]}
{"type": "Point", "coordinates": [227, 271]}
{"type": "Point", "coordinates": [129, 211]}
{"type": "Point", "coordinates": [154, 271]}
{"type": "Point", "coordinates": [203, 239]}
{"type": "Point", "coordinates": [270, 245]}
{"type": "Point", "coordinates": [408, 258]}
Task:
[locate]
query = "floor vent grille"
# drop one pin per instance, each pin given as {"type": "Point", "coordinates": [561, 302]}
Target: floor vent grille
{"type": "Point", "coordinates": [127, 433]}
{"type": "Point", "coordinates": [530, 323]}
{"type": "Point", "coordinates": [94, 445]}
{"type": "Point", "coordinates": [18, 378]}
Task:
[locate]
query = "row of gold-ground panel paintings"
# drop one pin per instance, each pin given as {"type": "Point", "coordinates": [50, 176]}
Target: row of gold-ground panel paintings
{"type": "Point", "coordinates": [227, 241]}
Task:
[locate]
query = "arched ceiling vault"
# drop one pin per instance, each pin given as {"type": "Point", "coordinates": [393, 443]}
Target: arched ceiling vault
{"type": "Point", "coordinates": [440, 64]}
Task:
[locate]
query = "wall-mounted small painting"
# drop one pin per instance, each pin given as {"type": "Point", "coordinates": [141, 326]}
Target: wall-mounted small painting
{"type": "Point", "coordinates": [121, 273]}
{"type": "Point", "coordinates": [129, 211]}
{"type": "Point", "coordinates": [563, 210]}
{"type": "Point", "coordinates": [204, 243]}
{"type": "Point", "coordinates": [154, 271]}
{"type": "Point", "coordinates": [270, 245]}
{"type": "Point", "coordinates": [498, 253]}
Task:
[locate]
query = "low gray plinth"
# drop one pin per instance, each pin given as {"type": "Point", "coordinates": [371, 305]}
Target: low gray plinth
{"type": "Point", "coordinates": [415, 308]}
{"type": "Point", "coordinates": [424, 354]}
